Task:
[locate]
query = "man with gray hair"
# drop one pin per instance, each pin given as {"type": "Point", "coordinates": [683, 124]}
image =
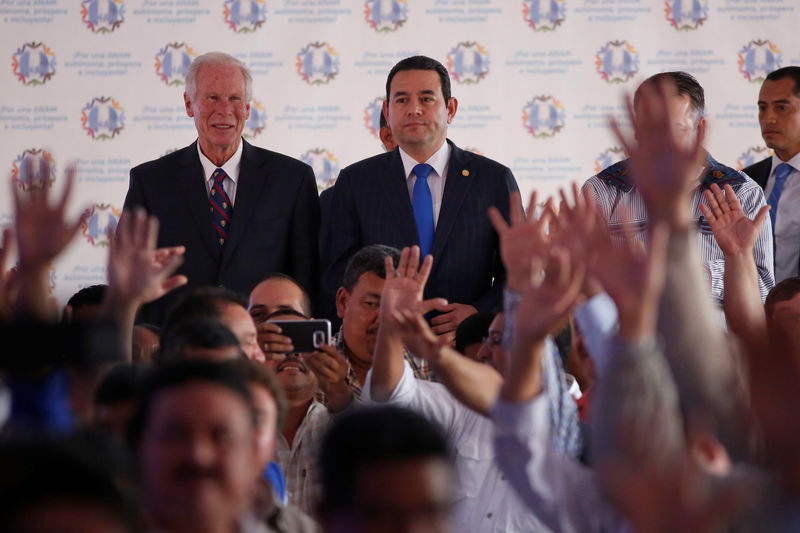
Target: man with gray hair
{"type": "Point", "coordinates": [241, 212]}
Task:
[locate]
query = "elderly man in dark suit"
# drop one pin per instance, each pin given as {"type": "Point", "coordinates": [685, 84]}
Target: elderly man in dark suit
{"type": "Point", "coordinates": [241, 212]}
{"type": "Point", "coordinates": [779, 175]}
{"type": "Point", "coordinates": [427, 192]}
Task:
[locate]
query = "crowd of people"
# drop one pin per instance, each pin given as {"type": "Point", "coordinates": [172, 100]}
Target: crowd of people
{"type": "Point", "coordinates": [617, 359]}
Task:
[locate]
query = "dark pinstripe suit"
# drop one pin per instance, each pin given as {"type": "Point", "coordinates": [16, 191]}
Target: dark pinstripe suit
{"type": "Point", "coordinates": [274, 228]}
{"type": "Point", "coordinates": [759, 172]}
{"type": "Point", "coordinates": [371, 205]}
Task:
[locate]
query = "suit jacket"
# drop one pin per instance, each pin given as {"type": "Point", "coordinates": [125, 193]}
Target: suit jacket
{"type": "Point", "coordinates": [370, 205]}
{"type": "Point", "coordinates": [274, 228]}
{"type": "Point", "coordinates": [759, 172]}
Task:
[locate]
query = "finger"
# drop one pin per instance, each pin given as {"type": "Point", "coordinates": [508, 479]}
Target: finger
{"type": "Point", "coordinates": [5, 251]}
{"type": "Point", "coordinates": [171, 265]}
{"type": "Point", "coordinates": [443, 329]}
{"type": "Point", "coordinates": [151, 237]}
{"type": "Point", "coordinates": [269, 328]}
{"type": "Point", "coordinates": [402, 265]}
{"type": "Point", "coordinates": [174, 282]}
{"type": "Point", "coordinates": [498, 221]}
{"type": "Point", "coordinates": [516, 213]}
{"type": "Point", "coordinates": [425, 270]}
{"type": "Point", "coordinates": [577, 198]}
{"type": "Point", "coordinates": [712, 204]}
{"type": "Point", "coordinates": [719, 196]}
{"type": "Point", "coordinates": [389, 265]}
{"type": "Point", "coordinates": [428, 305]}
{"type": "Point", "coordinates": [564, 207]}
{"type": "Point", "coordinates": [413, 262]}
{"type": "Point", "coordinates": [68, 184]}
{"type": "Point", "coordinates": [707, 212]}
{"type": "Point", "coordinates": [760, 216]}
{"type": "Point", "coordinates": [529, 216]}
{"type": "Point", "coordinates": [138, 230]}
{"type": "Point", "coordinates": [733, 200]}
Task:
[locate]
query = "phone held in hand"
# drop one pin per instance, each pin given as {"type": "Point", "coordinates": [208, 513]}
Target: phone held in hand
{"type": "Point", "coordinates": [306, 335]}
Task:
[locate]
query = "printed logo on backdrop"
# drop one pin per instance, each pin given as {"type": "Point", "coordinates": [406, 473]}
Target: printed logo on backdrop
{"type": "Point", "coordinates": [245, 16]}
{"type": "Point", "coordinates": [544, 15]}
{"type": "Point", "coordinates": [617, 61]}
{"type": "Point", "coordinates": [372, 116]}
{"type": "Point", "coordinates": [543, 117]}
{"type": "Point", "coordinates": [34, 63]}
{"type": "Point", "coordinates": [172, 63]}
{"type": "Point", "coordinates": [103, 16]}
{"type": "Point", "coordinates": [468, 62]}
{"type": "Point", "coordinates": [257, 121]}
{"type": "Point", "coordinates": [385, 15]}
{"type": "Point", "coordinates": [317, 63]}
{"type": "Point", "coordinates": [20, 175]}
{"type": "Point", "coordinates": [752, 155]}
{"type": "Point", "coordinates": [608, 157]}
{"type": "Point", "coordinates": [685, 15]}
{"type": "Point", "coordinates": [98, 221]}
{"type": "Point", "coordinates": [757, 59]}
{"type": "Point", "coordinates": [325, 165]}
{"type": "Point", "coordinates": [103, 118]}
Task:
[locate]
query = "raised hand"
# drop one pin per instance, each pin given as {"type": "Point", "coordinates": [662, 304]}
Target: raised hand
{"type": "Point", "coordinates": [405, 285]}
{"type": "Point", "coordinates": [42, 230]}
{"type": "Point", "coordinates": [522, 241]}
{"type": "Point", "coordinates": [662, 163]}
{"type": "Point", "coordinates": [7, 279]}
{"type": "Point", "coordinates": [733, 231]}
{"type": "Point", "coordinates": [137, 271]}
{"type": "Point", "coordinates": [632, 277]}
{"type": "Point", "coordinates": [274, 345]}
{"type": "Point", "coordinates": [547, 302]}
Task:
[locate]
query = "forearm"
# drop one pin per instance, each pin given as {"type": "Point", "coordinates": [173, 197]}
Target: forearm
{"type": "Point", "coordinates": [744, 312]}
{"type": "Point", "coordinates": [387, 365]}
{"type": "Point", "coordinates": [474, 384]}
{"type": "Point", "coordinates": [123, 313]}
{"type": "Point", "coordinates": [524, 379]}
{"type": "Point", "coordinates": [33, 300]}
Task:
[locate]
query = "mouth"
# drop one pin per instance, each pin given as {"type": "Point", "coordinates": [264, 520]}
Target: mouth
{"type": "Point", "coordinates": [222, 126]}
{"type": "Point", "coordinates": [291, 364]}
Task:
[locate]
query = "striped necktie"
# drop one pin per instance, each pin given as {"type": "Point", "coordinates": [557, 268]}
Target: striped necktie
{"type": "Point", "coordinates": [221, 208]}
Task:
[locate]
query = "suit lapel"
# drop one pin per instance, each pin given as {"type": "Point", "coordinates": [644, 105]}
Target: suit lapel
{"type": "Point", "coordinates": [396, 189]}
{"type": "Point", "coordinates": [248, 189]}
{"type": "Point", "coordinates": [190, 181]}
{"type": "Point", "coordinates": [459, 180]}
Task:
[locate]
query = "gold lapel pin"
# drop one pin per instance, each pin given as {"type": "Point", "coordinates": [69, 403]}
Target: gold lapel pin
{"type": "Point", "coordinates": [465, 172]}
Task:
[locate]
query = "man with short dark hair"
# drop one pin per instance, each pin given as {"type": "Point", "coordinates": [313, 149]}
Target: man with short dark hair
{"type": "Point", "coordinates": [199, 338]}
{"type": "Point", "coordinates": [242, 212]}
{"type": "Point", "coordinates": [428, 192]}
{"type": "Point", "coordinates": [620, 202]}
{"type": "Point", "coordinates": [225, 306]}
{"type": "Point", "coordinates": [386, 469]}
{"type": "Point", "coordinates": [779, 175]}
{"type": "Point", "coordinates": [196, 441]}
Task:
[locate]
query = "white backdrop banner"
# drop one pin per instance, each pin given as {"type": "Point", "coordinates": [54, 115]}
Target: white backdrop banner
{"type": "Point", "coordinates": [100, 82]}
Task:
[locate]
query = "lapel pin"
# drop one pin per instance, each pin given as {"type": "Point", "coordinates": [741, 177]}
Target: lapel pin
{"type": "Point", "coordinates": [465, 172]}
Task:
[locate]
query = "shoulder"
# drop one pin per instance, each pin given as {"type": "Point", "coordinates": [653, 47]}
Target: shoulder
{"type": "Point", "coordinates": [369, 168]}
{"type": "Point", "coordinates": [765, 165]}
{"type": "Point", "coordinates": [717, 173]}
{"type": "Point", "coordinates": [166, 162]}
{"type": "Point", "coordinates": [613, 177]}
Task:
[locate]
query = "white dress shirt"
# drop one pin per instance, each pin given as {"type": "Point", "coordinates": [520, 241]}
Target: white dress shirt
{"type": "Point", "coordinates": [485, 501]}
{"type": "Point", "coordinates": [787, 220]}
{"type": "Point", "coordinates": [439, 161]}
{"type": "Point", "coordinates": [231, 168]}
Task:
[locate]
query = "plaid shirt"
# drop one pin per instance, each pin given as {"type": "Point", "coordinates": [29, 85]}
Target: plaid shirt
{"type": "Point", "coordinates": [421, 368]}
{"type": "Point", "coordinates": [299, 462]}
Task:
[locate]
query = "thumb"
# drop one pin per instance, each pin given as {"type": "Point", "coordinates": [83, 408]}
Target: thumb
{"type": "Point", "coordinates": [431, 304]}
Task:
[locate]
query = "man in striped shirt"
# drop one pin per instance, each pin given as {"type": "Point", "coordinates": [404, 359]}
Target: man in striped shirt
{"type": "Point", "coordinates": [623, 208]}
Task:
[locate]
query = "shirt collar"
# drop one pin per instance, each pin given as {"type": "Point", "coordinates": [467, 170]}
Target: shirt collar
{"type": "Point", "coordinates": [231, 166]}
{"type": "Point", "coordinates": [438, 160]}
{"type": "Point", "coordinates": [794, 162]}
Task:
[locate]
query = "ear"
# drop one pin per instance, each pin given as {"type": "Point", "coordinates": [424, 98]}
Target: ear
{"type": "Point", "coordinates": [385, 135]}
{"type": "Point", "coordinates": [708, 452]}
{"type": "Point", "coordinates": [342, 298]}
{"type": "Point", "coordinates": [385, 110]}
{"type": "Point", "coordinates": [452, 107]}
{"type": "Point", "coordinates": [247, 108]}
{"type": "Point", "coordinates": [701, 127]}
{"type": "Point", "coordinates": [188, 103]}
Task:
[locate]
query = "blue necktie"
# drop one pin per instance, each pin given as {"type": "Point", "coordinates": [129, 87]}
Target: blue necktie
{"type": "Point", "coordinates": [221, 208]}
{"type": "Point", "coordinates": [782, 172]}
{"type": "Point", "coordinates": [422, 204]}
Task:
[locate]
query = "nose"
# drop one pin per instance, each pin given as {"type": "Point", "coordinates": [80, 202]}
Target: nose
{"type": "Point", "coordinates": [484, 352]}
{"type": "Point", "coordinates": [201, 451]}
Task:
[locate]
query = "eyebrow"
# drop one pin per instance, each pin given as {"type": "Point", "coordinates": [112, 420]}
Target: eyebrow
{"type": "Point", "coordinates": [406, 93]}
{"type": "Point", "coordinates": [373, 295]}
{"type": "Point", "coordinates": [286, 310]}
{"type": "Point", "coordinates": [779, 101]}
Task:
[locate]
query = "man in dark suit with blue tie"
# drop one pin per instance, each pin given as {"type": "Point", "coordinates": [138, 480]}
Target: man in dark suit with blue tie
{"type": "Point", "coordinates": [241, 212]}
{"type": "Point", "coordinates": [779, 175]}
{"type": "Point", "coordinates": [426, 192]}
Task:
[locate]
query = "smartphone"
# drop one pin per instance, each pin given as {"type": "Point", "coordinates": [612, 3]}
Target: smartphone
{"type": "Point", "coordinates": [306, 335]}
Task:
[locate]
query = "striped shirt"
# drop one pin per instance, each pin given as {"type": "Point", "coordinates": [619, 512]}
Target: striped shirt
{"type": "Point", "coordinates": [618, 200]}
